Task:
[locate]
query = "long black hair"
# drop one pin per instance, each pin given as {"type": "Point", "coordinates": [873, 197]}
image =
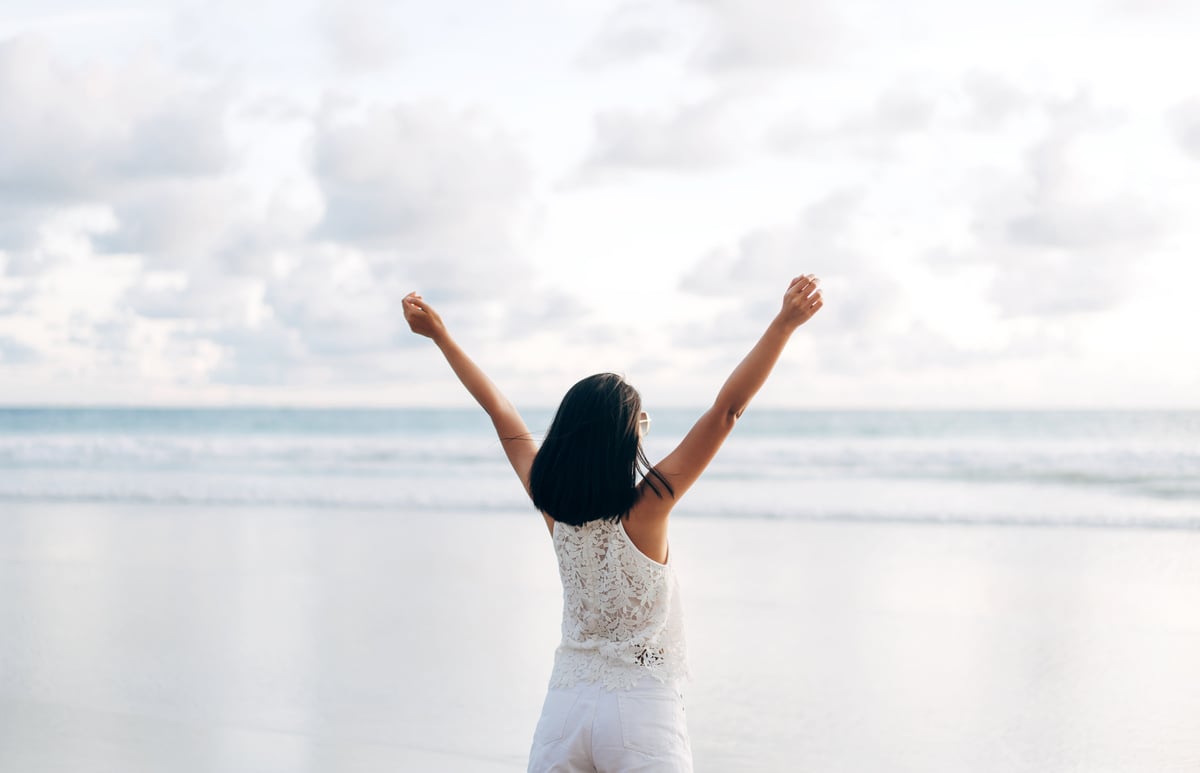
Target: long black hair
{"type": "Point", "coordinates": [587, 466]}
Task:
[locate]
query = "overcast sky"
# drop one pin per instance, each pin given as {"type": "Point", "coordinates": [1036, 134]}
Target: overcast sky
{"type": "Point", "coordinates": [224, 201]}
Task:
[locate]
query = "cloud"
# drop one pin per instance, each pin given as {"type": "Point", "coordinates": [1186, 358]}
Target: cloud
{"type": "Point", "coordinates": [899, 110]}
{"type": "Point", "coordinates": [820, 241]}
{"type": "Point", "coordinates": [291, 278]}
{"type": "Point", "coordinates": [60, 235]}
{"type": "Point", "coordinates": [693, 137]}
{"type": "Point", "coordinates": [74, 134]}
{"type": "Point", "coordinates": [130, 159]}
{"type": "Point", "coordinates": [763, 35]}
{"type": "Point", "coordinates": [1048, 282]}
{"type": "Point", "coordinates": [116, 162]}
{"type": "Point", "coordinates": [871, 321]}
{"type": "Point", "coordinates": [14, 296]}
{"type": "Point", "coordinates": [224, 322]}
{"type": "Point", "coordinates": [338, 303]}
{"type": "Point", "coordinates": [1060, 244]}
{"type": "Point", "coordinates": [49, 151]}
{"type": "Point", "coordinates": [1062, 209]}
{"type": "Point", "coordinates": [264, 354]}
{"type": "Point", "coordinates": [1120, 220]}
{"type": "Point", "coordinates": [1147, 7]}
{"type": "Point", "coordinates": [1183, 121]}
{"type": "Point", "coordinates": [724, 38]}
{"type": "Point", "coordinates": [361, 35]}
{"type": "Point", "coordinates": [917, 346]}
{"type": "Point", "coordinates": [555, 311]}
{"type": "Point", "coordinates": [179, 134]}
{"type": "Point", "coordinates": [195, 294]}
{"type": "Point", "coordinates": [13, 352]}
{"type": "Point", "coordinates": [431, 187]}
{"type": "Point", "coordinates": [980, 101]}
{"type": "Point", "coordinates": [992, 100]}
{"type": "Point", "coordinates": [770, 254]}
{"type": "Point", "coordinates": [179, 223]}
{"type": "Point", "coordinates": [412, 196]}
{"type": "Point", "coordinates": [630, 33]}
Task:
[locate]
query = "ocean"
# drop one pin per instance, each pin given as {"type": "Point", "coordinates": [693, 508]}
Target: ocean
{"type": "Point", "coordinates": [1136, 469]}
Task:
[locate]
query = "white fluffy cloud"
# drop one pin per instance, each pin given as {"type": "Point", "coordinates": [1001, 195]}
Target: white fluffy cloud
{"type": "Point", "coordinates": [1052, 240]}
{"type": "Point", "coordinates": [104, 159]}
{"type": "Point", "coordinates": [361, 35]}
{"type": "Point", "coordinates": [897, 111]}
{"type": "Point", "coordinates": [421, 178]}
{"type": "Point", "coordinates": [754, 35]}
{"type": "Point", "coordinates": [693, 137]}
{"type": "Point", "coordinates": [1184, 122]}
{"type": "Point", "coordinates": [1063, 244]}
{"type": "Point", "coordinates": [629, 33]}
{"type": "Point", "coordinates": [412, 196]}
{"type": "Point", "coordinates": [131, 161]}
{"type": "Point", "coordinates": [991, 100]}
{"type": "Point", "coordinates": [77, 134]}
{"type": "Point", "coordinates": [770, 253]}
{"type": "Point", "coordinates": [719, 37]}
{"type": "Point", "coordinates": [13, 351]}
{"type": "Point", "coordinates": [865, 301]}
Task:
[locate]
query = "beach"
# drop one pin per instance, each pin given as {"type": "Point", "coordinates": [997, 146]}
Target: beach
{"type": "Point", "coordinates": [149, 637]}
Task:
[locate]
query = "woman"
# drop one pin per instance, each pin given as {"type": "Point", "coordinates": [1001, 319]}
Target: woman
{"type": "Point", "coordinates": [614, 700]}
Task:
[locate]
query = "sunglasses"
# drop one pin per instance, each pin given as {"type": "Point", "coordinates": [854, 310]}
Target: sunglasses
{"type": "Point", "coordinates": [643, 423]}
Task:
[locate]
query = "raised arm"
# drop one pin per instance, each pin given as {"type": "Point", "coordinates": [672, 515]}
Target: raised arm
{"type": "Point", "coordinates": [518, 444]}
{"type": "Point", "coordinates": [683, 466]}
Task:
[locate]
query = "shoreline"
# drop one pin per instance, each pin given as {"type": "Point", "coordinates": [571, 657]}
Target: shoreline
{"type": "Point", "coordinates": [1187, 525]}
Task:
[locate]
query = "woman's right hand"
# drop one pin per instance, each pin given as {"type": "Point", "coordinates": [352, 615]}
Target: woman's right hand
{"type": "Point", "coordinates": [801, 301]}
{"type": "Point", "coordinates": [421, 317]}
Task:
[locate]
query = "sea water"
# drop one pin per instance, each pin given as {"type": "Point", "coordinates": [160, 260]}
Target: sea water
{"type": "Point", "coordinates": [1103, 468]}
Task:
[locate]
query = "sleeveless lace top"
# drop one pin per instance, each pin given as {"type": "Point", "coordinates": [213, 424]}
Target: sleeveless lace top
{"type": "Point", "coordinates": [622, 618]}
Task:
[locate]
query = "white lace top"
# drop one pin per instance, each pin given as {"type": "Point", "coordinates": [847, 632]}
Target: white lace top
{"type": "Point", "coordinates": [621, 610]}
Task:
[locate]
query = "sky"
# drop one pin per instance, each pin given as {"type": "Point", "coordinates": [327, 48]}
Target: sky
{"type": "Point", "coordinates": [214, 203]}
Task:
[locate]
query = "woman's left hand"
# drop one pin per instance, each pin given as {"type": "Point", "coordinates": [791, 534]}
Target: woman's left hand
{"type": "Point", "coordinates": [421, 317]}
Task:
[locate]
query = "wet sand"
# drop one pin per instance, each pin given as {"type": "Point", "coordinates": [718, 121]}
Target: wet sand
{"type": "Point", "coordinates": [149, 638]}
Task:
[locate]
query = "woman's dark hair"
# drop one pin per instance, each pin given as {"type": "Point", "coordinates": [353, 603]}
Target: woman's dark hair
{"type": "Point", "coordinates": [587, 466]}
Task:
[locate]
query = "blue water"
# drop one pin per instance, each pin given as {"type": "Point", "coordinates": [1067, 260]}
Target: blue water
{"type": "Point", "coordinates": [1104, 468]}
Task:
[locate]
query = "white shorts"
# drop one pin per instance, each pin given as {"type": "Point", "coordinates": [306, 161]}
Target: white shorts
{"type": "Point", "coordinates": [589, 728]}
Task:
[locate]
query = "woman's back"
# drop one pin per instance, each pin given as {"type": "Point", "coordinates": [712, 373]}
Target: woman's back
{"type": "Point", "coordinates": [622, 616]}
